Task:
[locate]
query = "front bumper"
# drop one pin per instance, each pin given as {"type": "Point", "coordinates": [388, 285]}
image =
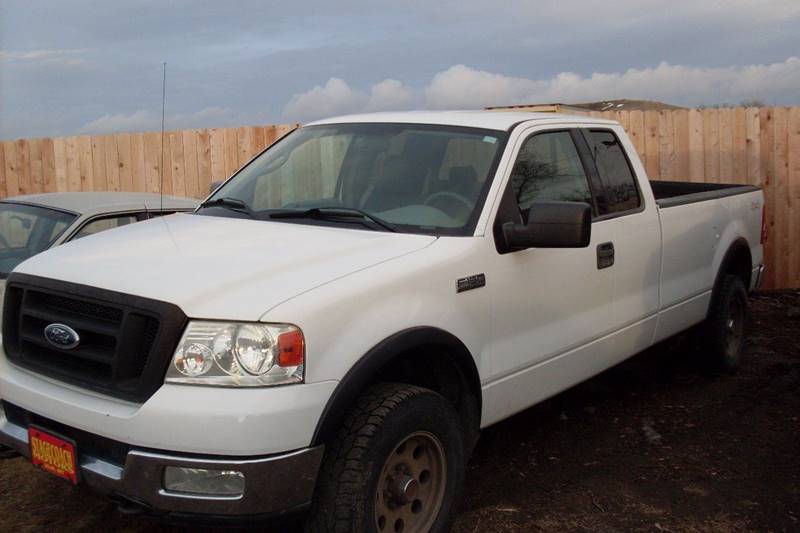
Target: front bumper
{"type": "Point", "coordinates": [274, 484]}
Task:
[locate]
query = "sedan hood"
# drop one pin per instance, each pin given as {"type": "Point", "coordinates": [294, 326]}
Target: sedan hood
{"type": "Point", "coordinates": [219, 268]}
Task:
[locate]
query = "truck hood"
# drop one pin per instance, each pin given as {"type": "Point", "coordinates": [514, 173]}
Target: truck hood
{"type": "Point", "coordinates": [223, 268]}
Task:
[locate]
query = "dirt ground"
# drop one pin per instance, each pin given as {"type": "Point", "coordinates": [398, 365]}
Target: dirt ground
{"type": "Point", "coordinates": [651, 445]}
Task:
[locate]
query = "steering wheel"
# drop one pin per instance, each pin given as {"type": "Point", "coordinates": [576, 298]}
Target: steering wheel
{"type": "Point", "coordinates": [449, 196]}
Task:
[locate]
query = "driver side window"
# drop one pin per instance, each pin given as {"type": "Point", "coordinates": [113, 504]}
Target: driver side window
{"type": "Point", "coordinates": [548, 167]}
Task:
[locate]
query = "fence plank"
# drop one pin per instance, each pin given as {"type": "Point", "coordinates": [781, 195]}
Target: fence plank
{"type": "Point", "coordinates": [726, 124]}
{"type": "Point", "coordinates": [125, 162]}
{"type": "Point", "coordinates": [753, 146]}
{"type": "Point", "coordinates": [111, 156]}
{"type": "Point", "coordinates": [152, 160]}
{"type": "Point", "coordinates": [794, 197]}
{"type": "Point", "coordinates": [652, 160]}
{"type": "Point", "coordinates": [178, 177]}
{"type": "Point", "coordinates": [73, 159]}
{"type": "Point", "coordinates": [696, 146]}
{"type": "Point", "coordinates": [190, 167]}
{"type": "Point", "coordinates": [203, 163]}
{"type": "Point", "coordinates": [666, 139]}
{"type": "Point", "coordinates": [231, 151]}
{"type": "Point", "coordinates": [767, 142]}
{"type": "Point", "coordinates": [681, 134]}
{"type": "Point", "coordinates": [48, 166]}
{"type": "Point", "coordinates": [37, 166]}
{"type": "Point", "coordinates": [3, 190]}
{"type": "Point", "coordinates": [244, 141]}
{"type": "Point", "coordinates": [99, 163]}
{"type": "Point", "coordinates": [711, 144]}
{"type": "Point", "coordinates": [60, 160]}
{"type": "Point", "coordinates": [86, 163]}
{"type": "Point", "coordinates": [138, 168]}
{"type": "Point", "coordinates": [23, 166]}
{"type": "Point", "coordinates": [781, 234]}
{"type": "Point", "coordinates": [12, 176]}
{"type": "Point", "coordinates": [217, 154]}
{"type": "Point", "coordinates": [739, 143]}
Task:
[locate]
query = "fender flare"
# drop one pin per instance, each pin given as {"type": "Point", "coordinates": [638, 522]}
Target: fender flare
{"type": "Point", "coordinates": [365, 369]}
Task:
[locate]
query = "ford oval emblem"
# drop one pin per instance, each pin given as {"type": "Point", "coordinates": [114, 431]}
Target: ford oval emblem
{"type": "Point", "coordinates": [62, 336]}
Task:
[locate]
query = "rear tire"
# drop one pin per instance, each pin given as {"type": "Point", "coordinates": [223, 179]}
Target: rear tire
{"type": "Point", "coordinates": [725, 330]}
{"type": "Point", "coordinates": [397, 464]}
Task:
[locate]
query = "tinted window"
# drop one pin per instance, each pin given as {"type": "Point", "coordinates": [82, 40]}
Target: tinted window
{"type": "Point", "coordinates": [615, 172]}
{"type": "Point", "coordinates": [548, 168]}
{"type": "Point", "coordinates": [26, 230]}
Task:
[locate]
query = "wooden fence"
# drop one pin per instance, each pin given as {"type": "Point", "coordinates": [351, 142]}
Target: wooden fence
{"type": "Point", "coordinates": [759, 146]}
{"type": "Point", "coordinates": [131, 161]}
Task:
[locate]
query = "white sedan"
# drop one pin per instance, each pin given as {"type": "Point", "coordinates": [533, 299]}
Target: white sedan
{"type": "Point", "coordinates": [31, 224]}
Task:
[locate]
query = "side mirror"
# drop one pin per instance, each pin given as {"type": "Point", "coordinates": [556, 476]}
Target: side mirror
{"type": "Point", "coordinates": [551, 225]}
{"type": "Point", "coordinates": [214, 186]}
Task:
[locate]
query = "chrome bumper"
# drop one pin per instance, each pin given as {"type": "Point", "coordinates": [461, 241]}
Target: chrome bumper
{"type": "Point", "coordinates": [273, 484]}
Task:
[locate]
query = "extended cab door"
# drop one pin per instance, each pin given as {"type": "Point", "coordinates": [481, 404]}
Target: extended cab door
{"type": "Point", "coordinates": [551, 307]}
{"type": "Point", "coordinates": [628, 209]}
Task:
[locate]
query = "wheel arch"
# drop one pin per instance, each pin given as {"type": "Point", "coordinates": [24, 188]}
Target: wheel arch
{"type": "Point", "coordinates": [449, 370]}
{"type": "Point", "coordinates": [737, 261]}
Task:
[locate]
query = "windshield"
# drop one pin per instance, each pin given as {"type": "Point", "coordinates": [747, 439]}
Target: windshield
{"type": "Point", "coordinates": [26, 230]}
{"type": "Point", "coordinates": [416, 178]}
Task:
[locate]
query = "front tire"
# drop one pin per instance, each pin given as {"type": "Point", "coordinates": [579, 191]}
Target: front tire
{"type": "Point", "coordinates": [396, 465]}
{"type": "Point", "coordinates": [725, 330]}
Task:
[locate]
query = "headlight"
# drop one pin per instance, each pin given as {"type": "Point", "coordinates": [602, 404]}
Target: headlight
{"type": "Point", "coordinates": [238, 354]}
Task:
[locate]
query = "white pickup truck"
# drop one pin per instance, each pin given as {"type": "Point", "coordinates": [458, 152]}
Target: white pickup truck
{"type": "Point", "coordinates": [329, 331]}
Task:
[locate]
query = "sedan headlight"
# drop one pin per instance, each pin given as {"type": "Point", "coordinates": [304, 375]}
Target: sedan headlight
{"type": "Point", "coordinates": [238, 354]}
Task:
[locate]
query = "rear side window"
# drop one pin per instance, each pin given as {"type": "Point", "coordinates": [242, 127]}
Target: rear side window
{"type": "Point", "coordinates": [615, 172]}
{"type": "Point", "coordinates": [548, 167]}
{"type": "Point", "coordinates": [103, 224]}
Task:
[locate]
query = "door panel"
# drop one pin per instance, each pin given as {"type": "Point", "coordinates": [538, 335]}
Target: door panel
{"type": "Point", "coordinates": [547, 302]}
{"type": "Point", "coordinates": [634, 222]}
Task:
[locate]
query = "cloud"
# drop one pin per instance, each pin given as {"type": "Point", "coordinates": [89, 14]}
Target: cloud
{"type": "Point", "coordinates": [143, 120]}
{"type": "Point", "coordinates": [389, 95]}
{"type": "Point", "coordinates": [65, 56]}
{"type": "Point", "coordinates": [333, 98]}
{"type": "Point", "coordinates": [463, 87]}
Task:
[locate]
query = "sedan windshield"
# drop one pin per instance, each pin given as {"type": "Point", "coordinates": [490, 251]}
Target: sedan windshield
{"type": "Point", "coordinates": [26, 230]}
{"type": "Point", "coordinates": [388, 177]}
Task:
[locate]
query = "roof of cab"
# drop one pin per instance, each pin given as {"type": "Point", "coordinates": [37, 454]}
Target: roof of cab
{"type": "Point", "coordinates": [99, 202]}
{"type": "Point", "coordinates": [493, 120]}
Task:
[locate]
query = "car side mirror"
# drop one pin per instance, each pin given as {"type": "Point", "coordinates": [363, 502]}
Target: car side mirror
{"type": "Point", "coordinates": [551, 225]}
{"type": "Point", "coordinates": [214, 186]}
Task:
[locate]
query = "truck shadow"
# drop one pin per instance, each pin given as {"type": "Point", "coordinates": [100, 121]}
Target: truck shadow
{"type": "Point", "coordinates": [654, 440]}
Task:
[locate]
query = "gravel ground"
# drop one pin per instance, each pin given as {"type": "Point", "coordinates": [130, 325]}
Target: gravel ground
{"type": "Point", "coordinates": [651, 445]}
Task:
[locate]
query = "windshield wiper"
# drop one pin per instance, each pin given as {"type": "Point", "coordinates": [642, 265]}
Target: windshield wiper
{"type": "Point", "coordinates": [234, 204]}
{"type": "Point", "coordinates": [332, 212]}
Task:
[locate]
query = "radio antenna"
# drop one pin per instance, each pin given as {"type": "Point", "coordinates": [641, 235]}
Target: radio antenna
{"type": "Point", "coordinates": [163, 107]}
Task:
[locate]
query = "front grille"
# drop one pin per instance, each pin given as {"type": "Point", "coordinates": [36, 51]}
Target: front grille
{"type": "Point", "coordinates": [126, 341]}
{"type": "Point", "coordinates": [87, 443]}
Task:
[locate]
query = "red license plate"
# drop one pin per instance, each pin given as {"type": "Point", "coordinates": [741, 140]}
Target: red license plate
{"type": "Point", "coordinates": [53, 454]}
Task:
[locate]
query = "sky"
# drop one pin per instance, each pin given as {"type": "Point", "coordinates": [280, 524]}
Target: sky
{"type": "Point", "coordinates": [95, 66]}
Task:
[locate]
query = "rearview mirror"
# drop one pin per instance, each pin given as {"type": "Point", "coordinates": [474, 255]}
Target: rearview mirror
{"type": "Point", "coordinates": [551, 225]}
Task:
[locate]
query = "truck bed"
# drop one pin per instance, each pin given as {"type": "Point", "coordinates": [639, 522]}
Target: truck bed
{"type": "Point", "coordinates": [672, 193]}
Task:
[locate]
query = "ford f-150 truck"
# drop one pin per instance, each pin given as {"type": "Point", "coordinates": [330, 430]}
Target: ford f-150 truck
{"type": "Point", "coordinates": [329, 331]}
